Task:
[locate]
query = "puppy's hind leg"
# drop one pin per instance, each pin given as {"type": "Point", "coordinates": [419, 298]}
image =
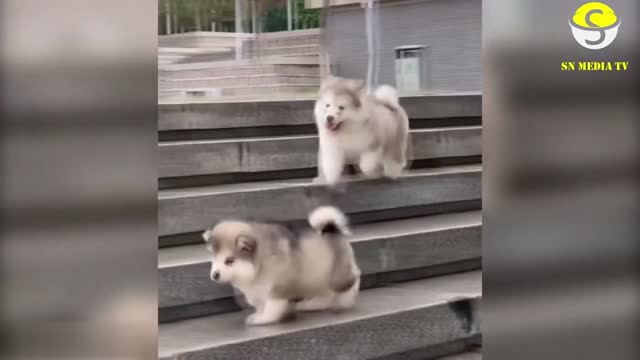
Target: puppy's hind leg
{"type": "Point", "coordinates": [347, 299]}
{"type": "Point", "coordinates": [317, 303]}
{"type": "Point", "coordinates": [320, 179]}
{"type": "Point", "coordinates": [370, 164]}
{"type": "Point", "coordinates": [273, 311]}
{"type": "Point", "coordinates": [392, 168]}
{"type": "Point", "coordinates": [331, 161]}
{"type": "Point", "coordinates": [395, 158]}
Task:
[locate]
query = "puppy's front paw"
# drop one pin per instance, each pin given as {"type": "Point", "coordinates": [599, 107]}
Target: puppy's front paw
{"type": "Point", "coordinates": [332, 180]}
{"type": "Point", "coordinates": [251, 319]}
{"type": "Point", "coordinates": [258, 319]}
{"type": "Point", "coordinates": [392, 169]}
{"type": "Point", "coordinates": [319, 180]}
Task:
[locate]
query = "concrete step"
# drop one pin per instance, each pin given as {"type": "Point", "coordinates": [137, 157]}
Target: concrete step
{"type": "Point", "coordinates": [266, 60]}
{"type": "Point", "coordinates": [418, 192]}
{"type": "Point", "coordinates": [167, 51]}
{"type": "Point", "coordinates": [241, 70]}
{"type": "Point", "coordinates": [387, 251]}
{"type": "Point", "coordinates": [288, 38]}
{"type": "Point", "coordinates": [170, 59]}
{"type": "Point", "coordinates": [311, 53]}
{"type": "Point", "coordinates": [236, 91]}
{"type": "Point", "coordinates": [202, 39]}
{"type": "Point", "coordinates": [194, 54]}
{"type": "Point", "coordinates": [243, 114]}
{"type": "Point", "coordinates": [200, 157]}
{"type": "Point", "coordinates": [221, 56]}
{"type": "Point", "coordinates": [284, 50]}
{"type": "Point", "coordinates": [469, 355]}
{"type": "Point", "coordinates": [241, 81]}
{"type": "Point", "coordinates": [283, 42]}
{"type": "Point", "coordinates": [419, 316]}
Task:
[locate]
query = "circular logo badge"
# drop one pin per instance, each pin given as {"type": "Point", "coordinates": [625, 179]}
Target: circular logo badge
{"type": "Point", "coordinates": [594, 25]}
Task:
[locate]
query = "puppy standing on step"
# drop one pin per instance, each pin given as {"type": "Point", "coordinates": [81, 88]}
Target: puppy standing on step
{"type": "Point", "coordinates": [274, 265]}
{"type": "Point", "coordinates": [371, 130]}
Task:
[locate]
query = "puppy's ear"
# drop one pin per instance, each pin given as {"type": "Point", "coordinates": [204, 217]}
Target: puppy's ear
{"type": "Point", "coordinates": [206, 235]}
{"type": "Point", "coordinates": [327, 82]}
{"type": "Point", "coordinates": [329, 79]}
{"type": "Point", "coordinates": [246, 244]}
{"type": "Point", "coordinates": [358, 85]}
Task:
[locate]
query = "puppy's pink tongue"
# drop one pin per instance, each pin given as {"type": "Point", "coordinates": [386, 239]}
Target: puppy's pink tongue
{"type": "Point", "coordinates": [333, 128]}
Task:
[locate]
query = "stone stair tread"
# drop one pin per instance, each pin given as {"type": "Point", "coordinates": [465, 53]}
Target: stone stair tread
{"type": "Point", "coordinates": [199, 50]}
{"type": "Point", "coordinates": [195, 113]}
{"type": "Point", "coordinates": [266, 185]}
{"type": "Point", "coordinates": [295, 137]}
{"type": "Point", "coordinates": [192, 254]}
{"type": "Point", "coordinates": [286, 46]}
{"type": "Point", "coordinates": [242, 76]}
{"type": "Point", "coordinates": [262, 60]}
{"type": "Point", "coordinates": [470, 355]}
{"type": "Point", "coordinates": [242, 87]}
{"type": "Point", "coordinates": [374, 306]}
{"type": "Point", "coordinates": [257, 154]}
{"type": "Point", "coordinates": [418, 192]}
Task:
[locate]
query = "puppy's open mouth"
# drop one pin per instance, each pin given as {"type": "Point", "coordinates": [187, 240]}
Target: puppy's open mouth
{"type": "Point", "coordinates": [334, 126]}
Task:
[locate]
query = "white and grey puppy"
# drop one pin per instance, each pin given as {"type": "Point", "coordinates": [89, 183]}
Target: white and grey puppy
{"type": "Point", "coordinates": [280, 269]}
{"type": "Point", "coordinates": [370, 130]}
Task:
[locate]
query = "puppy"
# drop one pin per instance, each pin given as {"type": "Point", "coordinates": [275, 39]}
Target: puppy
{"type": "Point", "coordinates": [370, 130]}
{"type": "Point", "coordinates": [280, 269]}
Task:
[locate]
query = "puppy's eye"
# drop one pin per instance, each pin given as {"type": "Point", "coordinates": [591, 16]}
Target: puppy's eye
{"type": "Point", "coordinates": [229, 261]}
{"type": "Point", "coordinates": [341, 107]}
{"type": "Point", "coordinates": [327, 105]}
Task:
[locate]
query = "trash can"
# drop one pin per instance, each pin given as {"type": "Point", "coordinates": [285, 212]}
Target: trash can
{"type": "Point", "coordinates": [411, 68]}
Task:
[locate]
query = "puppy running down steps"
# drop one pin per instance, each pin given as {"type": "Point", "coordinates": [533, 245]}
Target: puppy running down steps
{"type": "Point", "coordinates": [280, 269]}
{"type": "Point", "coordinates": [371, 130]}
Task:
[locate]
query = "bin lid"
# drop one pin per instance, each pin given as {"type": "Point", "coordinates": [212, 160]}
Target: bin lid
{"type": "Point", "coordinates": [409, 47]}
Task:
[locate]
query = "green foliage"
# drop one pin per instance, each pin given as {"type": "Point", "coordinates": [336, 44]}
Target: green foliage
{"type": "Point", "coordinates": [194, 15]}
{"type": "Point", "coordinates": [307, 18]}
{"type": "Point", "coordinates": [275, 19]}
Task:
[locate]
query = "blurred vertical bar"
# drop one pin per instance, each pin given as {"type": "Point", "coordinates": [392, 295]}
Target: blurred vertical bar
{"type": "Point", "coordinates": [289, 15]}
{"type": "Point", "coordinates": [325, 57]}
{"type": "Point", "coordinates": [78, 192]}
{"type": "Point", "coordinates": [561, 197]}
{"type": "Point", "coordinates": [238, 28]}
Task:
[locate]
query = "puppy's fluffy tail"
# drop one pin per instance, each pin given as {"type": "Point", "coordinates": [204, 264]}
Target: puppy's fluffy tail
{"type": "Point", "coordinates": [388, 94]}
{"type": "Point", "coordinates": [329, 220]}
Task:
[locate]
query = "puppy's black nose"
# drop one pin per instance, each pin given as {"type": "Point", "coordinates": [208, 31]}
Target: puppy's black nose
{"type": "Point", "coordinates": [215, 276]}
{"type": "Point", "coordinates": [330, 119]}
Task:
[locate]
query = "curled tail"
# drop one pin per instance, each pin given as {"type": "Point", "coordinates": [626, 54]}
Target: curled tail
{"type": "Point", "coordinates": [387, 94]}
{"type": "Point", "coordinates": [329, 220]}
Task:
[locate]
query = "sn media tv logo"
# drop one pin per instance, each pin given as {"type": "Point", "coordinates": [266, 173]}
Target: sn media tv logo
{"type": "Point", "coordinates": [594, 25]}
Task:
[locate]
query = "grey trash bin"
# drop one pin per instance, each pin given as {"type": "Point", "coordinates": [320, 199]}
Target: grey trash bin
{"type": "Point", "coordinates": [411, 68]}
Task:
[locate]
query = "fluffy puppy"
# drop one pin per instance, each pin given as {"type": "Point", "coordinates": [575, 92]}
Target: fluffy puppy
{"type": "Point", "coordinates": [280, 268]}
{"type": "Point", "coordinates": [370, 130]}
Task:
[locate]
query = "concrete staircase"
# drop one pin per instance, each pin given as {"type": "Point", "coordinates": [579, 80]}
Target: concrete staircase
{"type": "Point", "coordinates": [273, 64]}
{"type": "Point", "coordinates": [416, 239]}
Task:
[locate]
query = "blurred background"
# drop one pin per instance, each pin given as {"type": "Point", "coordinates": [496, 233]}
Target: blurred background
{"type": "Point", "coordinates": [211, 50]}
{"type": "Point", "coordinates": [81, 82]}
{"type": "Point", "coordinates": [561, 149]}
{"type": "Point", "coordinates": [78, 251]}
